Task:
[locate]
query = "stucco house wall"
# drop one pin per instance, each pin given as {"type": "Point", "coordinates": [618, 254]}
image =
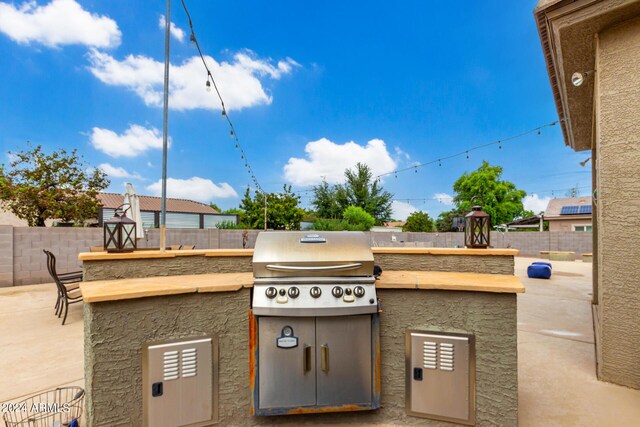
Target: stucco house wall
{"type": "Point", "coordinates": [567, 224]}
{"type": "Point", "coordinates": [618, 183]}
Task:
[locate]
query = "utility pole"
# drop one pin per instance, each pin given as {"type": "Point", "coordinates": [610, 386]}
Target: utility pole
{"type": "Point", "coordinates": [165, 130]}
{"type": "Point", "coordinates": [265, 211]}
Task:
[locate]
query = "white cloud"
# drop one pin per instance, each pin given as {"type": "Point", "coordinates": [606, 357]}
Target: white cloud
{"type": "Point", "coordinates": [61, 22]}
{"type": "Point", "coordinates": [118, 172]}
{"type": "Point", "coordinates": [444, 198]}
{"type": "Point", "coordinates": [174, 30]}
{"type": "Point", "coordinates": [328, 160]}
{"type": "Point", "coordinates": [534, 203]}
{"type": "Point", "coordinates": [401, 210]}
{"type": "Point", "coordinates": [195, 188]}
{"type": "Point", "coordinates": [134, 141]}
{"type": "Point", "coordinates": [238, 81]}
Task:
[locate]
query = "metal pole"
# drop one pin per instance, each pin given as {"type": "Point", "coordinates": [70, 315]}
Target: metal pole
{"type": "Point", "coordinates": [265, 211]}
{"type": "Point", "coordinates": [165, 131]}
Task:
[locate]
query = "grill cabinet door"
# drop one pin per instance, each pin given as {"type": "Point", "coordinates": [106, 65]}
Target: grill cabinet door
{"type": "Point", "coordinates": [287, 373]}
{"type": "Point", "coordinates": [343, 354]}
{"type": "Point", "coordinates": [178, 389]}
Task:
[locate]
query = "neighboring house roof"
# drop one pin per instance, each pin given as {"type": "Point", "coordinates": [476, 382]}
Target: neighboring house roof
{"type": "Point", "coordinates": [554, 208]}
{"type": "Point", "coordinates": [530, 220]}
{"type": "Point", "coordinates": [151, 203]}
{"type": "Point", "coordinates": [395, 224]}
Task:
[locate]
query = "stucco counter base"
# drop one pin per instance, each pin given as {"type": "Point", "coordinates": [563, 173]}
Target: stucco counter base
{"type": "Point", "coordinates": [116, 330]}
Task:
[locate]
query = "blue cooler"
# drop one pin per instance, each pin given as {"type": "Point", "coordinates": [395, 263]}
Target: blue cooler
{"type": "Point", "coordinates": [539, 271]}
{"type": "Point", "coordinates": [542, 263]}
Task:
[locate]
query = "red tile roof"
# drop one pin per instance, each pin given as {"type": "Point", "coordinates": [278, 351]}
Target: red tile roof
{"type": "Point", "coordinates": [151, 203]}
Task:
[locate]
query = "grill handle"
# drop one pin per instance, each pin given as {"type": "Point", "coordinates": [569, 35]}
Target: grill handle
{"type": "Point", "coordinates": [307, 358]}
{"type": "Point", "coordinates": [274, 267]}
{"type": "Point", "coordinates": [324, 358]}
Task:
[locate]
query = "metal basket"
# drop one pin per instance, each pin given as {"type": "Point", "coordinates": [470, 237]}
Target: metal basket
{"type": "Point", "coordinates": [53, 408]}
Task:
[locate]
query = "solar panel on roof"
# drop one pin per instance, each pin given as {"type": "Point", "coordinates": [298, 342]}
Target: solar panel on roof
{"type": "Point", "coordinates": [569, 210]}
{"type": "Point", "coordinates": [575, 210]}
{"type": "Point", "coordinates": [586, 209]}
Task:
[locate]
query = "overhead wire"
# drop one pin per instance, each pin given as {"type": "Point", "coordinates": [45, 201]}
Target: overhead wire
{"type": "Point", "coordinates": [225, 113]}
{"type": "Point", "coordinates": [465, 152]}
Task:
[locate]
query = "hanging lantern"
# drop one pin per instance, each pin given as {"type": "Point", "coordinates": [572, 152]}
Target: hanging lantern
{"type": "Point", "coordinates": [477, 227]}
{"type": "Point", "coordinates": [120, 232]}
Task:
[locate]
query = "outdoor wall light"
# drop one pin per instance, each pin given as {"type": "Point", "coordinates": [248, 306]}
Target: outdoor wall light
{"type": "Point", "coordinates": [578, 78]}
{"type": "Point", "coordinates": [584, 162]}
{"type": "Point", "coordinates": [477, 228]}
{"type": "Point", "coordinates": [120, 232]}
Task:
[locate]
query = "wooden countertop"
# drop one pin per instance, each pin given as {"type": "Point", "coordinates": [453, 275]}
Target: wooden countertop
{"type": "Point", "coordinates": [446, 251]}
{"type": "Point", "coordinates": [142, 254]}
{"type": "Point", "coordinates": [451, 281]}
{"type": "Point", "coordinates": [112, 290]}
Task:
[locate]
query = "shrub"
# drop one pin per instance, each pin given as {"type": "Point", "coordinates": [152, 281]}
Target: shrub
{"type": "Point", "coordinates": [357, 219]}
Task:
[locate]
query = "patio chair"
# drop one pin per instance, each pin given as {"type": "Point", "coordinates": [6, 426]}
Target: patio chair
{"type": "Point", "coordinates": [188, 247]}
{"type": "Point", "coordinates": [67, 285]}
{"type": "Point", "coordinates": [175, 247]}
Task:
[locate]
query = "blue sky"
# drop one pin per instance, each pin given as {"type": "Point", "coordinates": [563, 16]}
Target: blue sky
{"type": "Point", "coordinates": [310, 88]}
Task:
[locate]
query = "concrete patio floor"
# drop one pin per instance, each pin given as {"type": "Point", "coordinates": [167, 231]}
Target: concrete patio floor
{"type": "Point", "coordinates": [557, 382]}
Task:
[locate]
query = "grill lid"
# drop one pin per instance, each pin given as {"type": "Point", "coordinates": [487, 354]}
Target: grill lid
{"type": "Point", "coordinates": [301, 254]}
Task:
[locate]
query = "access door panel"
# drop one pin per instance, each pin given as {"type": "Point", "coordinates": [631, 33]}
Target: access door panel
{"type": "Point", "coordinates": [343, 359]}
{"type": "Point", "coordinates": [286, 362]}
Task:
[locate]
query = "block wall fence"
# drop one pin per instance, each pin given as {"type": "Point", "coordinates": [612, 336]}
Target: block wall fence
{"type": "Point", "coordinates": [22, 261]}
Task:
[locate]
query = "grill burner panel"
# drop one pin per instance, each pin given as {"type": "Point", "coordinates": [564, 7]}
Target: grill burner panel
{"type": "Point", "coordinates": [305, 304]}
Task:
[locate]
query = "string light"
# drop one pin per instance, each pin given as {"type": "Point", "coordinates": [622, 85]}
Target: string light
{"type": "Point", "coordinates": [223, 111]}
{"type": "Point", "coordinates": [467, 155]}
{"type": "Point", "coordinates": [498, 142]}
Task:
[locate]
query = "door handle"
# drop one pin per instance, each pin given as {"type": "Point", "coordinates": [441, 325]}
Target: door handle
{"type": "Point", "coordinates": [306, 364]}
{"type": "Point", "coordinates": [324, 357]}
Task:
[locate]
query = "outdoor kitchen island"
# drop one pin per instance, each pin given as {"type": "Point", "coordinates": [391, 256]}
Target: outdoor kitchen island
{"type": "Point", "coordinates": [133, 303]}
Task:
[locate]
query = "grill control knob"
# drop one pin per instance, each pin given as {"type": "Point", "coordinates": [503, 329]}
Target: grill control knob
{"type": "Point", "coordinates": [271, 292]}
{"type": "Point", "coordinates": [358, 291]}
{"type": "Point", "coordinates": [316, 292]}
{"type": "Point", "coordinates": [283, 292]}
{"type": "Point", "coordinates": [347, 291]}
{"type": "Point", "coordinates": [337, 291]}
{"type": "Point", "coordinates": [294, 292]}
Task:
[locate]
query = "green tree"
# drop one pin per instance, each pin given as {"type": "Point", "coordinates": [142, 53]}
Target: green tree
{"type": "Point", "coordinates": [357, 219]}
{"type": "Point", "coordinates": [419, 222]}
{"type": "Point", "coordinates": [359, 189]}
{"type": "Point", "coordinates": [39, 186]}
{"type": "Point", "coordinates": [500, 199]}
{"type": "Point", "coordinates": [444, 222]}
{"type": "Point", "coordinates": [283, 212]}
{"type": "Point", "coordinates": [325, 201]}
{"type": "Point", "coordinates": [214, 206]}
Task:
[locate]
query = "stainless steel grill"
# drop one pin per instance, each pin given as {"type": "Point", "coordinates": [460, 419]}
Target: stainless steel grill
{"type": "Point", "coordinates": [302, 274]}
{"type": "Point", "coordinates": [315, 336]}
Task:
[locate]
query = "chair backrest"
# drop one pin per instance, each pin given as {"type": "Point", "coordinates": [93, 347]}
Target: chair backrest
{"type": "Point", "coordinates": [176, 247]}
{"type": "Point", "coordinates": [188, 247]}
{"type": "Point", "coordinates": [51, 266]}
{"type": "Point", "coordinates": [96, 248]}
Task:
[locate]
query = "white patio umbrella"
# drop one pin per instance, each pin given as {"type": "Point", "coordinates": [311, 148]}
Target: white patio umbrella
{"type": "Point", "coordinates": [132, 199]}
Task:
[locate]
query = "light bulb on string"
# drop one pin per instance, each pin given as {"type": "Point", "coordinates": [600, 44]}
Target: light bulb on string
{"type": "Point", "coordinates": [395, 174]}
{"type": "Point", "coordinates": [439, 162]}
{"type": "Point", "coordinates": [499, 145]}
{"type": "Point", "coordinates": [231, 133]}
{"type": "Point", "coordinates": [208, 85]}
{"type": "Point", "coordinates": [192, 39]}
{"type": "Point", "coordinates": [539, 131]}
{"type": "Point", "coordinates": [467, 155]}
{"type": "Point", "coordinates": [415, 169]}
{"type": "Point", "coordinates": [224, 112]}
